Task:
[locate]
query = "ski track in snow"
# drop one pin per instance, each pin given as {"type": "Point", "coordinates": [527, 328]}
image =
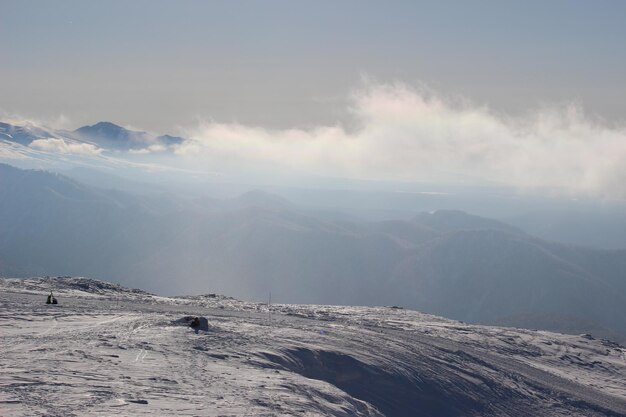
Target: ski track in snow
{"type": "Point", "coordinates": [112, 352]}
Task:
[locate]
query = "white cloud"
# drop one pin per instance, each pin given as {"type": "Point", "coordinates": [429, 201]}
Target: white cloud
{"type": "Point", "coordinates": [59, 122]}
{"type": "Point", "coordinates": [61, 146]}
{"type": "Point", "coordinates": [406, 134]}
{"type": "Point", "coordinates": [148, 150]}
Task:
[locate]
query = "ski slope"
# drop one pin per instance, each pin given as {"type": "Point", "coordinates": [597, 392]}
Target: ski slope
{"type": "Point", "coordinates": [109, 351]}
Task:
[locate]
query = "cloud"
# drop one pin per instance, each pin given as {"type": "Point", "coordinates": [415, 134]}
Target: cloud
{"type": "Point", "coordinates": [404, 133]}
{"type": "Point", "coordinates": [59, 122]}
{"type": "Point", "coordinates": [61, 146]}
{"type": "Point", "coordinates": [148, 150]}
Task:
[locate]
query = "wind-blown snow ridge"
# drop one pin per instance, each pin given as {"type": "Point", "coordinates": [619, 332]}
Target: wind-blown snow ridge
{"type": "Point", "coordinates": [75, 286]}
{"type": "Point", "coordinates": [108, 350]}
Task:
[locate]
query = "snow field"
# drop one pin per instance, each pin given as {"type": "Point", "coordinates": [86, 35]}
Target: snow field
{"type": "Point", "coordinates": [106, 351]}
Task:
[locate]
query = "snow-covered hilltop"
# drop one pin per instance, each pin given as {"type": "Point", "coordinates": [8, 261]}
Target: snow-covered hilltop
{"type": "Point", "coordinates": [108, 350]}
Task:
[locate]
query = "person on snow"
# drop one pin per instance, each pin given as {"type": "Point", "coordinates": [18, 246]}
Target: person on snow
{"type": "Point", "coordinates": [51, 299]}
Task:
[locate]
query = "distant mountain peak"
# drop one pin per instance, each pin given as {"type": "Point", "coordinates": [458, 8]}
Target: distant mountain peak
{"type": "Point", "coordinates": [106, 129]}
{"type": "Point", "coordinates": [106, 125]}
{"type": "Point", "coordinates": [109, 135]}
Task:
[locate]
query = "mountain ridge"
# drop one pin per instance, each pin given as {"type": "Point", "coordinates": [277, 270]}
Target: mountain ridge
{"type": "Point", "coordinates": [260, 243]}
{"type": "Point", "coordinates": [107, 136]}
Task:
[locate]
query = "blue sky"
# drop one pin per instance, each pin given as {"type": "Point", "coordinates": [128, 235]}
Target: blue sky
{"type": "Point", "coordinates": [161, 65]}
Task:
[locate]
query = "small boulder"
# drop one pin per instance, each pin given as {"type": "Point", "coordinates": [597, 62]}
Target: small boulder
{"type": "Point", "coordinates": [195, 322]}
{"type": "Point", "coordinates": [200, 323]}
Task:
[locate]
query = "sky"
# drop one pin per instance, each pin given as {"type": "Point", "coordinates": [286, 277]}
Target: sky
{"type": "Point", "coordinates": [530, 92]}
{"type": "Point", "coordinates": [159, 65]}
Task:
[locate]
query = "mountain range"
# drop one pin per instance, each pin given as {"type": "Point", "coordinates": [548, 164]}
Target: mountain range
{"type": "Point", "coordinates": [105, 135]}
{"type": "Point", "coordinates": [110, 156]}
{"type": "Point", "coordinates": [446, 262]}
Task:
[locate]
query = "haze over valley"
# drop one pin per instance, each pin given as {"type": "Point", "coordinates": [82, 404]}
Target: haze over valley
{"type": "Point", "coordinates": [445, 262]}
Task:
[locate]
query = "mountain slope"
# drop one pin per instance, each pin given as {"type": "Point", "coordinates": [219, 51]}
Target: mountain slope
{"type": "Point", "coordinates": [603, 228]}
{"type": "Point", "coordinates": [51, 224]}
{"type": "Point", "coordinates": [485, 276]}
{"type": "Point", "coordinates": [456, 220]}
{"type": "Point", "coordinates": [24, 135]}
{"type": "Point", "coordinates": [106, 350]}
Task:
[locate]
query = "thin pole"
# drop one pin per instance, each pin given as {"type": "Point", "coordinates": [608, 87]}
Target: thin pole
{"type": "Point", "coordinates": [269, 309]}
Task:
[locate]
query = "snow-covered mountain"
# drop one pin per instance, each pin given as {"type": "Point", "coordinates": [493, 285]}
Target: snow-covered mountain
{"type": "Point", "coordinates": [109, 350]}
{"type": "Point", "coordinates": [104, 145]}
{"type": "Point", "coordinates": [108, 135]}
{"type": "Point", "coordinates": [23, 134]}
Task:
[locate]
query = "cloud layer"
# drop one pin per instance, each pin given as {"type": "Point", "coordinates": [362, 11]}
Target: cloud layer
{"type": "Point", "coordinates": [406, 134]}
{"type": "Point", "coordinates": [61, 146]}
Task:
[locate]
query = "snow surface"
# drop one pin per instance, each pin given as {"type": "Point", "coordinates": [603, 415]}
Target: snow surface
{"type": "Point", "coordinates": [106, 350]}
